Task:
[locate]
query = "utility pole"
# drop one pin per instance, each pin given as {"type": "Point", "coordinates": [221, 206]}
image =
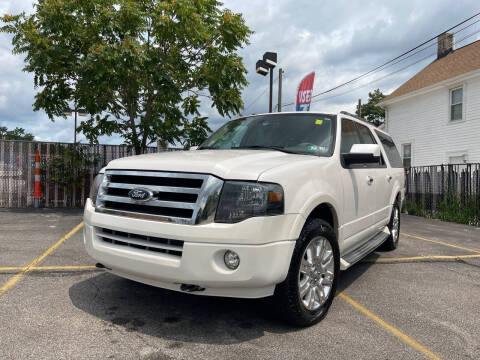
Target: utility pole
{"type": "Point", "coordinates": [280, 72]}
{"type": "Point", "coordinates": [359, 108]}
{"type": "Point", "coordinates": [271, 92]}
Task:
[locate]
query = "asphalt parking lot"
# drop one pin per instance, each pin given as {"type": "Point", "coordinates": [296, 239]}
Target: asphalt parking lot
{"type": "Point", "coordinates": [419, 301]}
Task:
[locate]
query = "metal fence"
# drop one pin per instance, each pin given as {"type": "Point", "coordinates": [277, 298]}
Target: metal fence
{"type": "Point", "coordinates": [448, 192]}
{"type": "Point", "coordinates": [17, 163]}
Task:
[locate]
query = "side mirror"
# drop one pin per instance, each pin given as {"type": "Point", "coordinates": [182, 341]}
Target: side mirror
{"type": "Point", "coordinates": [193, 148]}
{"type": "Point", "coordinates": [362, 154]}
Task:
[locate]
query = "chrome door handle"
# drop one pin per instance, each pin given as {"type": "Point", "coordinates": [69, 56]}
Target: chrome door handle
{"type": "Point", "coordinates": [389, 178]}
{"type": "Point", "coordinates": [369, 180]}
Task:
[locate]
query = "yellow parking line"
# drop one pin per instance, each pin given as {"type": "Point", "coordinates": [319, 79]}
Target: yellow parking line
{"type": "Point", "coordinates": [68, 267]}
{"type": "Point", "coordinates": [11, 282]}
{"type": "Point", "coordinates": [441, 243]}
{"type": "Point", "coordinates": [12, 268]}
{"type": "Point", "coordinates": [426, 257]}
{"type": "Point", "coordinates": [405, 338]}
{"type": "Point", "coordinates": [17, 269]}
{"type": "Point", "coordinates": [46, 268]}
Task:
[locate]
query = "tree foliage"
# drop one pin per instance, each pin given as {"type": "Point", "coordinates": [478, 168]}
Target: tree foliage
{"type": "Point", "coordinates": [195, 132]}
{"type": "Point", "coordinates": [15, 134]}
{"type": "Point", "coordinates": [139, 67]}
{"type": "Point", "coordinates": [371, 111]}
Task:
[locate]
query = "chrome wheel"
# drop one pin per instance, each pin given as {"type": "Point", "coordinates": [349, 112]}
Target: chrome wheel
{"type": "Point", "coordinates": [395, 224]}
{"type": "Point", "coordinates": [315, 278]}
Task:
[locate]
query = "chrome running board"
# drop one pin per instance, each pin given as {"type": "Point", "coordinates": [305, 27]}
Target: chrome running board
{"type": "Point", "coordinates": [358, 253]}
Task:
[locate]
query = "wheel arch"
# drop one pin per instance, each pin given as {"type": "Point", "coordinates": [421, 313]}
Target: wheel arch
{"type": "Point", "coordinates": [396, 196]}
{"type": "Point", "coordinates": [320, 208]}
{"type": "Point", "coordinates": [326, 212]}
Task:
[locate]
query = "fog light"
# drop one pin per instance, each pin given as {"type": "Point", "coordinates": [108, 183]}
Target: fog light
{"type": "Point", "coordinates": [232, 260]}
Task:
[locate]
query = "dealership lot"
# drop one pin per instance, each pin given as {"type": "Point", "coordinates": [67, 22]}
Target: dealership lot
{"type": "Point", "coordinates": [420, 301]}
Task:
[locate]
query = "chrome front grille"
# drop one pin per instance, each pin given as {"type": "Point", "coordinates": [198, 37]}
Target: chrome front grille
{"type": "Point", "coordinates": [142, 242]}
{"type": "Point", "coordinates": [177, 197]}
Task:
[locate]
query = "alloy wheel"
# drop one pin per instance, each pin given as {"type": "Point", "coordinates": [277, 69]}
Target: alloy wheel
{"type": "Point", "coordinates": [316, 274]}
{"type": "Point", "coordinates": [395, 224]}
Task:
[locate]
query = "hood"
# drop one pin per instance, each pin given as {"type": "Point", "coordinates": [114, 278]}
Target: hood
{"type": "Point", "coordinates": [226, 164]}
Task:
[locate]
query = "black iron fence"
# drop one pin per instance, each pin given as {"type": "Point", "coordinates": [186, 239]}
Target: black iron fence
{"type": "Point", "coordinates": [447, 192]}
{"type": "Point", "coordinates": [17, 164]}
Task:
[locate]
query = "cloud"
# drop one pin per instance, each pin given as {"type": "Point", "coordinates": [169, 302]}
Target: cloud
{"type": "Point", "coordinates": [338, 39]}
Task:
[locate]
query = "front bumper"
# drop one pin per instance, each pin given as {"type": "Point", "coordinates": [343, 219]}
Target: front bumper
{"type": "Point", "coordinates": [264, 248]}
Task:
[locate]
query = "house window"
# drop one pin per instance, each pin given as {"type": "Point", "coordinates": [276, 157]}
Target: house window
{"type": "Point", "coordinates": [407, 155]}
{"type": "Point", "coordinates": [459, 159]}
{"type": "Point", "coordinates": [456, 104]}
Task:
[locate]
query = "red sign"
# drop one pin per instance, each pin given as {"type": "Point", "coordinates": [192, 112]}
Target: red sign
{"type": "Point", "coordinates": [304, 93]}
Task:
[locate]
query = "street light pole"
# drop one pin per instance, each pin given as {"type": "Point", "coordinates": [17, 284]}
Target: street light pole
{"type": "Point", "coordinates": [78, 112]}
{"type": "Point", "coordinates": [263, 67]}
{"type": "Point", "coordinates": [75, 129]}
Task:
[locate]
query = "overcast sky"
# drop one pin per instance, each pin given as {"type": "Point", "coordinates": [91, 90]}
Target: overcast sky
{"type": "Point", "coordinates": [338, 39]}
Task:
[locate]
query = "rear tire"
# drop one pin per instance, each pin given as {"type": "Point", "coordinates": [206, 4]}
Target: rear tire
{"type": "Point", "coordinates": [394, 226]}
{"type": "Point", "coordinates": [305, 296]}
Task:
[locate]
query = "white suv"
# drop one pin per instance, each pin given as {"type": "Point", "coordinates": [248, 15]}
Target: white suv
{"type": "Point", "coordinates": [273, 204]}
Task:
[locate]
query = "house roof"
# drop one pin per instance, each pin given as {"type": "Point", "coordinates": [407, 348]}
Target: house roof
{"type": "Point", "coordinates": [458, 62]}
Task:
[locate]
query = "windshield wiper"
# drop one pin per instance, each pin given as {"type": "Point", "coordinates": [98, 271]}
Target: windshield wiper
{"type": "Point", "coordinates": [278, 148]}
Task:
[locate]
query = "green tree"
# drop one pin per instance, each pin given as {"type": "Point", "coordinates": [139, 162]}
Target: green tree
{"type": "Point", "coordinates": [15, 134]}
{"type": "Point", "coordinates": [371, 111]}
{"type": "Point", "coordinates": [139, 67]}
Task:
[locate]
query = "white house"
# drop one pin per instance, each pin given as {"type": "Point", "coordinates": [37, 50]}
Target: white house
{"type": "Point", "coordinates": [434, 118]}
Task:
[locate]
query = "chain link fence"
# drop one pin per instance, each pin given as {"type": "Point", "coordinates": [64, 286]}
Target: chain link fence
{"type": "Point", "coordinates": [447, 192]}
{"type": "Point", "coordinates": [17, 164]}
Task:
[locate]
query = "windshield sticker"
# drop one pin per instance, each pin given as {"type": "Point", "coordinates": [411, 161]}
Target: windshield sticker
{"type": "Point", "coordinates": [319, 121]}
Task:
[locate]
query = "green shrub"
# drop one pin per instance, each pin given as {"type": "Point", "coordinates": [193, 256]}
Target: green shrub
{"type": "Point", "coordinates": [69, 165]}
{"type": "Point", "coordinates": [452, 209]}
{"type": "Point", "coordinates": [414, 208]}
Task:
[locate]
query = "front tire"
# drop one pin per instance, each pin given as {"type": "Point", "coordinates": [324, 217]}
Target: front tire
{"type": "Point", "coordinates": [309, 288]}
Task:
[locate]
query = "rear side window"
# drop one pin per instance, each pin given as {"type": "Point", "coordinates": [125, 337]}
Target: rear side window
{"type": "Point", "coordinates": [391, 150]}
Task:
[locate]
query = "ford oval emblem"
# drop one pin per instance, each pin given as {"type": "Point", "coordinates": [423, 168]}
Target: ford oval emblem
{"type": "Point", "coordinates": [140, 194]}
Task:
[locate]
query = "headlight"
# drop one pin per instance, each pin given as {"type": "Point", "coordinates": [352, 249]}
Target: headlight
{"type": "Point", "coordinates": [241, 200]}
{"type": "Point", "coordinates": [95, 186]}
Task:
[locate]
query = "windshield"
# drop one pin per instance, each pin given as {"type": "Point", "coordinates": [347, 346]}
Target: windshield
{"type": "Point", "coordinates": [312, 134]}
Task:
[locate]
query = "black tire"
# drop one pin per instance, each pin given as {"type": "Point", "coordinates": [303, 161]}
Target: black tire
{"type": "Point", "coordinates": [287, 297]}
{"type": "Point", "coordinates": [392, 241]}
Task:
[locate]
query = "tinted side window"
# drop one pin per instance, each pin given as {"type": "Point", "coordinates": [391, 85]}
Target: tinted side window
{"type": "Point", "coordinates": [365, 135]}
{"type": "Point", "coordinates": [349, 136]}
{"type": "Point", "coordinates": [390, 150]}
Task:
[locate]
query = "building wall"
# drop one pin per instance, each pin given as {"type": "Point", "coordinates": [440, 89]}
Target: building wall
{"type": "Point", "coordinates": [424, 122]}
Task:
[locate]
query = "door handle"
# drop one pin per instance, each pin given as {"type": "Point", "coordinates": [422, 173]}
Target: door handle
{"type": "Point", "coordinates": [369, 180]}
{"type": "Point", "coordinates": [389, 178]}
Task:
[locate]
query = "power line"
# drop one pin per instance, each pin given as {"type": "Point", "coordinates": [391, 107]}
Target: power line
{"type": "Point", "coordinates": [397, 57]}
{"type": "Point", "coordinates": [390, 74]}
{"type": "Point", "coordinates": [387, 75]}
{"type": "Point", "coordinates": [259, 96]}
